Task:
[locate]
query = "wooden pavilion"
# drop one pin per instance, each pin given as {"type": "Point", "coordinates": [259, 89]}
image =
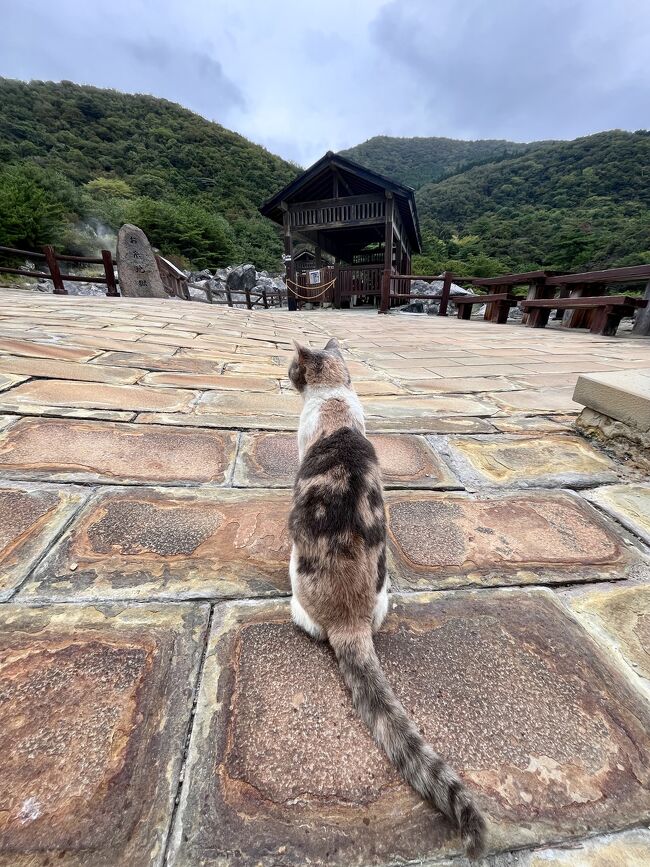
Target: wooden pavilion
{"type": "Point", "coordinates": [367, 224]}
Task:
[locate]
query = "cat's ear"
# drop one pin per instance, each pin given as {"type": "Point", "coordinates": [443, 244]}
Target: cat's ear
{"type": "Point", "coordinates": [302, 352]}
{"type": "Point", "coordinates": [333, 345]}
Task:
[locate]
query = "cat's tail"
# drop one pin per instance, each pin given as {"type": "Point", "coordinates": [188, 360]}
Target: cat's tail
{"type": "Point", "coordinates": [396, 734]}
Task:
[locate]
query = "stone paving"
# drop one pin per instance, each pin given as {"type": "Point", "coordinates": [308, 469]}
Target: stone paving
{"type": "Point", "coordinates": [156, 704]}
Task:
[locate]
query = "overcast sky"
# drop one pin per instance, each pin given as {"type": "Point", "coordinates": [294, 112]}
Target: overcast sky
{"type": "Point", "coordinates": [305, 76]}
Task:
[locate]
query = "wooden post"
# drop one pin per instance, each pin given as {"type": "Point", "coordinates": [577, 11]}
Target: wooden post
{"type": "Point", "coordinates": [446, 286]}
{"type": "Point", "coordinates": [265, 300]}
{"type": "Point", "coordinates": [228, 296]}
{"type": "Point", "coordinates": [53, 265]}
{"type": "Point", "coordinates": [292, 302]}
{"type": "Point", "coordinates": [642, 320]}
{"type": "Point", "coordinates": [384, 307]}
{"type": "Point", "coordinates": [111, 287]}
{"type": "Point", "coordinates": [336, 294]}
{"type": "Point", "coordinates": [247, 292]}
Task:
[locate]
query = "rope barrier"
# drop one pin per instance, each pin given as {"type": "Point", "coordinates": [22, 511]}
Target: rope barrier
{"type": "Point", "coordinates": [309, 297]}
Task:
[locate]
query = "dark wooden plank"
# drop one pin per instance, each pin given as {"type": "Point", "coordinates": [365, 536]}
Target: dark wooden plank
{"type": "Point", "coordinates": [512, 279]}
{"type": "Point", "coordinates": [53, 265]}
{"type": "Point", "coordinates": [631, 274]}
{"type": "Point", "coordinates": [569, 303]}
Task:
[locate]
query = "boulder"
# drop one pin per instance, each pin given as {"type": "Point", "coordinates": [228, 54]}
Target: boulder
{"type": "Point", "coordinates": [136, 265]}
{"type": "Point", "coordinates": [242, 278]}
{"type": "Point", "coordinates": [421, 287]}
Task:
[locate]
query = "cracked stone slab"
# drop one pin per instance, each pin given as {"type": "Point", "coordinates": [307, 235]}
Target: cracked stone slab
{"type": "Point", "coordinates": [629, 504]}
{"type": "Point", "coordinates": [622, 614]}
{"type": "Point", "coordinates": [517, 461]}
{"type": "Point", "coordinates": [56, 369]}
{"type": "Point", "coordinates": [31, 516]}
{"type": "Point", "coordinates": [95, 708]}
{"type": "Point", "coordinates": [90, 451]}
{"type": "Point", "coordinates": [57, 392]}
{"type": "Point", "coordinates": [447, 540]}
{"type": "Point", "coordinates": [509, 689]}
{"type": "Point", "coordinates": [271, 460]}
{"type": "Point", "coordinates": [150, 361]}
{"type": "Point", "coordinates": [170, 543]}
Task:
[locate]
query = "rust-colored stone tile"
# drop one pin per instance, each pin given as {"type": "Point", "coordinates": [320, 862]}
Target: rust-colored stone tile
{"type": "Point", "coordinates": [629, 504]}
{"type": "Point", "coordinates": [622, 614]}
{"type": "Point", "coordinates": [552, 460]}
{"type": "Point", "coordinates": [450, 540]}
{"type": "Point", "coordinates": [55, 369]}
{"type": "Point", "coordinates": [73, 412]}
{"type": "Point", "coordinates": [45, 350]}
{"type": "Point", "coordinates": [506, 686]}
{"type": "Point", "coordinates": [271, 460]}
{"type": "Point", "coordinates": [46, 392]}
{"type": "Point", "coordinates": [170, 543]}
{"type": "Point", "coordinates": [94, 712]}
{"type": "Point", "coordinates": [88, 451]}
{"type": "Point", "coordinates": [31, 516]}
{"type": "Point", "coordinates": [212, 381]}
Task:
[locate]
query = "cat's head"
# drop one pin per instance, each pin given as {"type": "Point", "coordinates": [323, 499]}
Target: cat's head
{"type": "Point", "coordinates": [318, 367]}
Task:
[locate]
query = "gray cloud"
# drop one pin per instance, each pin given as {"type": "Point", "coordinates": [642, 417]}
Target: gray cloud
{"type": "Point", "coordinates": [304, 76]}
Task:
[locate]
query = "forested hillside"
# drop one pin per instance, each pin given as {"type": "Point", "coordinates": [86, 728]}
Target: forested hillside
{"type": "Point", "coordinates": [78, 160]}
{"type": "Point", "coordinates": [567, 205]}
{"type": "Point", "coordinates": [418, 161]}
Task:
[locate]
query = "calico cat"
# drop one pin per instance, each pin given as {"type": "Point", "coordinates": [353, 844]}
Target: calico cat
{"type": "Point", "coordinates": [338, 573]}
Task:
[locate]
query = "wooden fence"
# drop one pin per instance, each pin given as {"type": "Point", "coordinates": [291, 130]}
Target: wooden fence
{"type": "Point", "coordinates": [53, 273]}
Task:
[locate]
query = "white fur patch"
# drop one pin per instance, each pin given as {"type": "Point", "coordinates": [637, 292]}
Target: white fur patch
{"type": "Point", "coordinates": [310, 415]}
{"type": "Point", "coordinates": [381, 607]}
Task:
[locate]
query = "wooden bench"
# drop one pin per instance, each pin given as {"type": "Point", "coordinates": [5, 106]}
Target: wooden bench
{"type": "Point", "coordinates": [499, 304]}
{"type": "Point", "coordinates": [608, 310]}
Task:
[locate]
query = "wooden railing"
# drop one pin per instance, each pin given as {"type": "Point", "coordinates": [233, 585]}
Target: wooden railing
{"type": "Point", "coordinates": [173, 280]}
{"type": "Point", "coordinates": [352, 210]}
{"type": "Point", "coordinates": [53, 273]}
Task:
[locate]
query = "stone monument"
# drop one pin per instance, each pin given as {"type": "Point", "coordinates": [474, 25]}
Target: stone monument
{"type": "Point", "coordinates": [136, 265]}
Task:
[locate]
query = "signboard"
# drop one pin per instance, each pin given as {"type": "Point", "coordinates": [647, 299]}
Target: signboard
{"type": "Point", "coordinates": [314, 278]}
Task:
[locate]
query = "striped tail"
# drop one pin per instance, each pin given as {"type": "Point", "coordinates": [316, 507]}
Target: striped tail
{"type": "Point", "coordinates": [380, 709]}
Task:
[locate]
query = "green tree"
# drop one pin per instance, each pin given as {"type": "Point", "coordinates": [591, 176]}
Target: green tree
{"type": "Point", "coordinates": [35, 207]}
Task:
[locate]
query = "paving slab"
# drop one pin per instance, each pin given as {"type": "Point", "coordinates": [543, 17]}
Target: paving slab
{"type": "Point", "coordinates": [170, 543]}
{"type": "Point", "coordinates": [45, 350]}
{"type": "Point", "coordinates": [54, 369]}
{"type": "Point", "coordinates": [94, 395]}
{"type": "Point", "coordinates": [8, 380]}
{"type": "Point", "coordinates": [627, 849]}
{"type": "Point", "coordinates": [31, 517]}
{"type": "Point", "coordinates": [150, 361]}
{"type": "Point", "coordinates": [448, 540]}
{"type": "Point", "coordinates": [271, 460]}
{"type": "Point", "coordinates": [248, 410]}
{"type": "Point", "coordinates": [622, 614]}
{"type": "Point", "coordinates": [460, 385]}
{"type": "Point", "coordinates": [542, 400]}
{"type": "Point", "coordinates": [72, 412]}
{"type": "Point", "coordinates": [507, 687]}
{"type": "Point", "coordinates": [628, 503]}
{"type": "Point", "coordinates": [527, 423]}
{"type": "Point", "coordinates": [517, 461]}
{"type": "Point", "coordinates": [94, 713]}
{"type": "Point", "coordinates": [241, 383]}
{"type": "Point", "coordinates": [89, 451]}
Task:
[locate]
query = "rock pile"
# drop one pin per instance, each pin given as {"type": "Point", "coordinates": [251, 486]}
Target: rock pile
{"type": "Point", "coordinates": [213, 288]}
{"type": "Point", "coordinates": [431, 308]}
